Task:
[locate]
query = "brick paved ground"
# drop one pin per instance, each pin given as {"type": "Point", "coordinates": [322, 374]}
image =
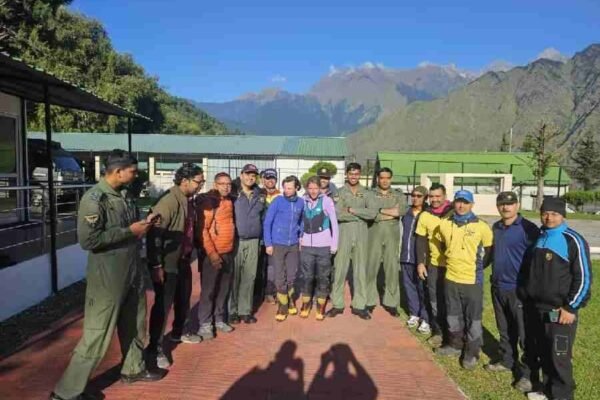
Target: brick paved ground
{"type": "Point", "coordinates": [269, 360]}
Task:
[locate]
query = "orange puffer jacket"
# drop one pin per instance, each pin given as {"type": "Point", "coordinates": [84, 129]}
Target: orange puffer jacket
{"type": "Point", "coordinates": [216, 221]}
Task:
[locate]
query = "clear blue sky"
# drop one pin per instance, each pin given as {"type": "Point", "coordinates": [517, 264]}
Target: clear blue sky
{"type": "Point", "coordinates": [216, 50]}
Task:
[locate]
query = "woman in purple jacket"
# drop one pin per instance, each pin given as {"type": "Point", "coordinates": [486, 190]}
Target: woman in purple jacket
{"type": "Point", "coordinates": [319, 242]}
{"type": "Point", "coordinates": [282, 228]}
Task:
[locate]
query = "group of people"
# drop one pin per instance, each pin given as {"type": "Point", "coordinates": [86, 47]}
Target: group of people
{"type": "Point", "coordinates": [253, 238]}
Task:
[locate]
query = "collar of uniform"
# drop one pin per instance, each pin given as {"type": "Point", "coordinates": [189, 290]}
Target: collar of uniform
{"type": "Point", "coordinates": [106, 188]}
{"type": "Point", "coordinates": [389, 192]}
{"type": "Point", "coordinates": [499, 224]}
{"type": "Point", "coordinates": [360, 188]}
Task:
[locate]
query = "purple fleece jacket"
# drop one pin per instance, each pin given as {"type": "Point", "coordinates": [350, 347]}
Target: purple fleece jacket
{"type": "Point", "coordinates": [326, 238]}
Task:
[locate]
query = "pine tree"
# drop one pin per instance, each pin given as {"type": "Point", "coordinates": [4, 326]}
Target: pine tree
{"type": "Point", "coordinates": [586, 160]}
{"type": "Point", "coordinates": [542, 143]}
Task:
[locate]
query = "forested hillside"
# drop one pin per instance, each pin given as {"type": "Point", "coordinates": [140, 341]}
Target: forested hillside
{"type": "Point", "coordinates": [46, 34]}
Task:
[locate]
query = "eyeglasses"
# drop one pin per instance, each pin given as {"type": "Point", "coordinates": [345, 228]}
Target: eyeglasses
{"type": "Point", "coordinates": [200, 183]}
{"type": "Point", "coordinates": [416, 195]}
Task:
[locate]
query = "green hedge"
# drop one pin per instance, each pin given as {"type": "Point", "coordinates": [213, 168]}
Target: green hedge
{"type": "Point", "coordinates": [580, 197]}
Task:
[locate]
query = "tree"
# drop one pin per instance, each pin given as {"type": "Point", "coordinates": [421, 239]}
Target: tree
{"type": "Point", "coordinates": [586, 160]}
{"type": "Point", "coordinates": [504, 145]}
{"type": "Point", "coordinates": [317, 166]}
{"type": "Point", "coordinates": [542, 144]}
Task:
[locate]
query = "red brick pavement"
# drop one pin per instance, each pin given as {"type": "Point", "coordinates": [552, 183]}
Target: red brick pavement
{"type": "Point", "coordinates": [269, 360]}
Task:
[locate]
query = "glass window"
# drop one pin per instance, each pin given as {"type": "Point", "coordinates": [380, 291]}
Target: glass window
{"type": "Point", "coordinates": [8, 145]}
{"type": "Point", "coordinates": [66, 164]}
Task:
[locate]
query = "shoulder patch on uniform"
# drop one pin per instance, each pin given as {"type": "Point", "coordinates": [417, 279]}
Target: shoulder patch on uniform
{"type": "Point", "coordinates": [95, 195]}
{"type": "Point", "coordinates": [91, 219]}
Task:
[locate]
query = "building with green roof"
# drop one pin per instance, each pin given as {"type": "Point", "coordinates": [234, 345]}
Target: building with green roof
{"type": "Point", "coordinates": [409, 166]}
{"type": "Point", "coordinates": [161, 154]}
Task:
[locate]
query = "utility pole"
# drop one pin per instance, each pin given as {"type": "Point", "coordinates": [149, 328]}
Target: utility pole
{"type": "Point", "coordinates": [510, 141]}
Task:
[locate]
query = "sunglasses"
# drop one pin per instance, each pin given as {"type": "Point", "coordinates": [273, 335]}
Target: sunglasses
{"type": "Point", "coordinates": [416, 195]}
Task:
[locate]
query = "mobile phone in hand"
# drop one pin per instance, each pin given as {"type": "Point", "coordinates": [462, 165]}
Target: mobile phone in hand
{"type": "Point", "coordinates": [152, 218]}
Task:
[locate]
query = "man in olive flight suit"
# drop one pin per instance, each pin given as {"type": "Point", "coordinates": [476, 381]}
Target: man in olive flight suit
{"type": "Point", "coordinates": [107, 227]}
{"type": "Point", "coordinates": [354, 207]}
{"type": "Point", "coordinates": [384, 244]}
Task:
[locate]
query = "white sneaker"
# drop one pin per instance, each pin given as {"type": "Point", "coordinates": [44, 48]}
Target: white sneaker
{"type": "Point", "coordinates": [413, 321]}
{"type": "Point", "coordinates": [424, 328]}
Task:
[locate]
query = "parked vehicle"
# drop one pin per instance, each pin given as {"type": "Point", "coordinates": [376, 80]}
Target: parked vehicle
{"type": "Point", "coordinates": [66, 169]}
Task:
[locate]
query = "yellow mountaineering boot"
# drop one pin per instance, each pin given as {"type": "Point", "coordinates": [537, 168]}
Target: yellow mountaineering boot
{"type": "Point", "coordinates": [321, 304]}
{"type": "Point", "coordinates": [282, 309]}
{"type": "Point", "coordinates": [292, 310]}
{"type": "Point", "coordinates": [306, 305]}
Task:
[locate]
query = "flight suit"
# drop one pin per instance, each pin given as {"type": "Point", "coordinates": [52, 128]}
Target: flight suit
{"type": "Point", "coordinates": [114, 295]}
{"type": "Point", "coordinates": [352, 244]}
{"type": "Point", "coordinates": [384, 246]}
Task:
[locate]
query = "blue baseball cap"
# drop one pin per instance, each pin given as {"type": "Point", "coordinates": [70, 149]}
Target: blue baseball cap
{"type": "Point", "coordinates": [269, 173]}
{"type": "Point", "coordinates": [464, 195]}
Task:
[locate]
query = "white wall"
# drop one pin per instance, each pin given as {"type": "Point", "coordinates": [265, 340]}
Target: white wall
{"type": "Point", "coordinates": [28, 283]}
{"type": "Point", "coordinates": [299, 166]}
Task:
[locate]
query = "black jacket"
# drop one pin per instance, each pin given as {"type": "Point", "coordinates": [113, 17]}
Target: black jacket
{"type": "Point", "coordinates": [560, 273]}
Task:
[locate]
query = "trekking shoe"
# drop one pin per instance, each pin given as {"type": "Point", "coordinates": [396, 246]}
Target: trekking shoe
{"type": "Point", "coordinates": [447, 351]}
{"type": "Point", "coordinates": [320, 306]}
{"type": "Point", "coordinates": [206, 332]}
{"type": "Point", "coordinates": [362, 314]}
{"type": "Point", "coordinates": [424, 328]}
{"type": "Point", "coordinates": [497, 367]}
{"type": "Point", "coordinates": [234, 319]}
{"type": "Point", "coordinates": [144, 376]}
{"type": "Point", "coordinates": [248, 319]}
{"type": "Point", "coordinates": [413, 321]}
{"type": "Point", "coordinates": [292, 310]}
{"type": "Point", "coordinates": [333, 312]}
{"type": "Point", "coordinates": [175, 338]}
{"type": "Point", "coordinates": [223, 327]}
{"type": "Point", "coordinates": [435, 340]}
{"type": "Point", "coordinates": [469, 362]}
{"type": "Point", "coordinates": [305, 310]}
{"type": "Point", "coordinates": [190, 338]}
{"type": "Point", "coordinates": [282, 312]}
{"type": "Point", "coordinates": [162, 361]}
{"type": "Point", "coordinates": [523, 385]}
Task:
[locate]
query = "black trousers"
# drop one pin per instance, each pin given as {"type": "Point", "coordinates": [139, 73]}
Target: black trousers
{"type": "Point", "coordinates": [214, 289]}
{"type": "Point", "coordinates": [315, 264]}
{"type": "Point", "coordinates": [550, 347]}
{"type": "Point", "coordinates": [174, 292]}
{"type": "Point", "coordinates": [285, 261]}
{"type": "Point", "coordinates": [435, 299]}
{"type": "Point", "coordinates": [464, 304]}
{"type": "Point", "coordinates": [510, 321]}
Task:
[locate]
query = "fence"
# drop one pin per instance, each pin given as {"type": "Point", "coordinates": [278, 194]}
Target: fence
{"type": "Point", "coordinates": [25, 220]}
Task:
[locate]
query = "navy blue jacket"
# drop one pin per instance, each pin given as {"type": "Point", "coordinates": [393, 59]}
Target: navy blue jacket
{"type": "Point", "coordinates": [513, 246]}
{"type": "Point", "coordinates": [249, 214]}
{"type": "Point", "coordinates": [408, 253]}
{"type": "Point", "coordinates": [560, 273]}
{"type": "Point", "coordinates": [283, 223]}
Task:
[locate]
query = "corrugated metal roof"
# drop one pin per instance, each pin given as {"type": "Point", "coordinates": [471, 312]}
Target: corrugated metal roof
{"type": "Point", "coordinates": [28, 82]}
{"type": "Point", "coordinates": [312, 147]}
{"type": "Point", "coordinates": [403, 165]}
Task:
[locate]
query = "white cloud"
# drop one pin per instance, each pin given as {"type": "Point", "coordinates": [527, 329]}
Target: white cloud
{"type": "Point", "coordinates": [551, 53]}
{"type": "Point", "coordinates": [279, 79]}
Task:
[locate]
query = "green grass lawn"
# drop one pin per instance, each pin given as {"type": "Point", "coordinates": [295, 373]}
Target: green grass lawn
{"type": "Point", "coordinates": [480, 384]}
